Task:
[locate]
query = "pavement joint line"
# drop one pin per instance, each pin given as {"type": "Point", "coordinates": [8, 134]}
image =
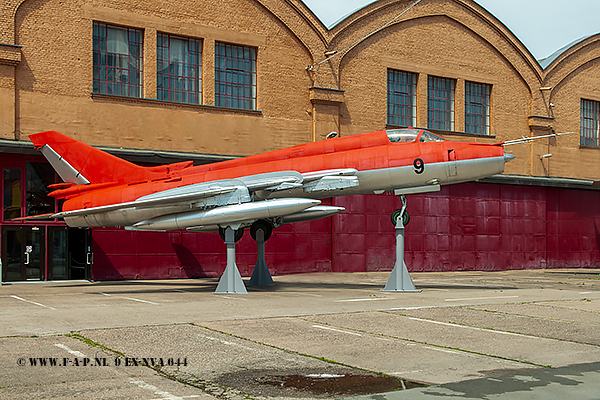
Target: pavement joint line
{"type": "Point", "coordinates": [32, 302]}
{"type": "Point", "coordinates": [304, 355]}
{"type": "Point", "coordinates": [529, 316]}
{"type": "Point", "coordinates": [478, 328]}
{"type": "Point", "coordinates": [564, 300]}
{"type": "Point", "coordinates": [91, 343]}
{"type": "Point", "coordinates": [433, 345]}
{"type": "Point", "coordinates": [482, 298]}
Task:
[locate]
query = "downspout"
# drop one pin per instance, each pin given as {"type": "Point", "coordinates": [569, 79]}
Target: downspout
{"type": "Point", "coordinates": [17, 132]}
{"type": "Point", "coordinates": [17, 125]}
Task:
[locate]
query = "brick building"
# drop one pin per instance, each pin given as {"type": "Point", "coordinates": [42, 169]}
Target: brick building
{"type": "Point", "coordinates": [206, 80]}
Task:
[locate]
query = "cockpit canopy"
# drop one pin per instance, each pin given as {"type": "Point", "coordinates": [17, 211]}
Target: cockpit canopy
{"type": "Point", "coordinates": [411, 134]}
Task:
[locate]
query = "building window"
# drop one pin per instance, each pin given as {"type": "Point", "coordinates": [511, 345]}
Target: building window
{"type": "Point", "coordinates": [440, 103]}
{"type": "Point", "coordinates": [117, 60]}
{"type": "Point", "coordinates": [38, 176]}
{"type": "Point", "coordinates": [235, 76]}
{"type": "Point", "coordinates": [590, 123]}
{"type": "Point", "coordinates": [401, 98]}
{"type": "Point", "coordinates": [179, 66]}
{"type": "Point", "coordinates": [12, 193]}
{"type": "Point", "coordinates": [477, 108]}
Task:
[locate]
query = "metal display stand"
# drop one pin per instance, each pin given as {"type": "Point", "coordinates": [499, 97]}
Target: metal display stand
{"type": "Point", "coordinates": [261, 275]}
{"type": "Point", "coordinates": [400, 280]}
{"type": "Point", "coordinates": [231, 281]}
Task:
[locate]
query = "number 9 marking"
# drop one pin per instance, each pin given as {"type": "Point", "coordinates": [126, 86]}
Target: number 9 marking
{"type": "Point", "coordinates": [419, 166]}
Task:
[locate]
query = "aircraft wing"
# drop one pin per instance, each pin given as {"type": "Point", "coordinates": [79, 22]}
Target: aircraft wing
{"type": "Point", "coordinates": [222, 193]}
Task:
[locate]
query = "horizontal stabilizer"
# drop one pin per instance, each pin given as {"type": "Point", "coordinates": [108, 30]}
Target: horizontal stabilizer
{"type": "Point", "coordinates": [41, 217]}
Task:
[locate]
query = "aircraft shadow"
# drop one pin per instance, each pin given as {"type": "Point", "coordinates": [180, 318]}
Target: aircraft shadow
{"type": "Point", "coordinates": [209, 285]}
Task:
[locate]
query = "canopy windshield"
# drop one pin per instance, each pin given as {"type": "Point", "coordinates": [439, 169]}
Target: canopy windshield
{"type": "Point", "coordinates": [402, 135]}
{"type": "Point", "coordinates": [430, 137]}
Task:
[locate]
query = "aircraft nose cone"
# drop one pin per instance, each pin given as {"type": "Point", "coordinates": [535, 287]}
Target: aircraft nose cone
{"type": "Point", "coordinates": [508, 157]}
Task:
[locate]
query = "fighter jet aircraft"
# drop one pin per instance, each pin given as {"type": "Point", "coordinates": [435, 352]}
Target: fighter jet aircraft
{"type": "Point", "coordinates": [262, 191]}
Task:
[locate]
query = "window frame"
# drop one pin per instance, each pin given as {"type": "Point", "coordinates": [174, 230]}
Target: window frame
{"type": "Point", "coordinates": [483, 93]}
{"type": "Point", "coordinates": [186, 81]}
{"type": "Point", "coordinates": [435, 114]}
{"type": "Point", "coordinates": [396, 81]}
{"type": "Point", "coordinates": [102, 82]}
{"type": "Point", "coordinates": [227, 73]}
{"type": "Point", "coordinates": [589, 135]}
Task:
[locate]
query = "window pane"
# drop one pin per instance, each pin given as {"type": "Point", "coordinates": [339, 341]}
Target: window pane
{"type": "Point", "coordinates": [179, 62]}
{"type": "Point", "coordinates": [477, 108]}
{"type": "Point", "coordinates": [590, 123]}
{"type": "Point", "coordinates": [440, 103]}
{"type": "Point", "coordinates": [37, 178]}
{"type": "Point", "coordinates": [121, 50]}
{"type": "Point", "coordinates": [402, 98]}
{"type": "Point", "coordinates": [12, 193]}
{"type": "Point", "coordinates": [235, 76]}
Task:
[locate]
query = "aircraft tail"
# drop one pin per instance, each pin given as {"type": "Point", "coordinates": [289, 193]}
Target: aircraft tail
{"type": "Point", "coordinates": [82, 164]}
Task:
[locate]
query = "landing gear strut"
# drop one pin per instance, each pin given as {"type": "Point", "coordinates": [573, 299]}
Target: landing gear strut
{"type": "Point", "coordinates": [261, 231]}
{"type": "Point", "coordinates": [231, 280]}
{"type": "Point", "coordinates": [399, 280]}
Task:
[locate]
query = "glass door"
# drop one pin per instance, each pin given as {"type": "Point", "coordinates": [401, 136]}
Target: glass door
{"type": "Point", "coordinates": [23, 253]}
{"type": "Point", "coordinates": [58, 260]}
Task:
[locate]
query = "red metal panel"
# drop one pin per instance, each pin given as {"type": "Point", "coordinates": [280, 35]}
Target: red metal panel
{"type": "Point", "coordinates": [469, 226]}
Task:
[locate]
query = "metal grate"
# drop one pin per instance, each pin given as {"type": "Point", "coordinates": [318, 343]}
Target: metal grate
{"type": "Point", "coordinates": [179, 69]}
{"type": "Point", "coordinates": [401, 98]}
{"type": "Point", "coordinates": [117, 60]}
{"type": "Point", "coordinates": [235, 76]}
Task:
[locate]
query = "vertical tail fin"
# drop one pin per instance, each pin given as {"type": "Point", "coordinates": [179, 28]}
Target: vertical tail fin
{"type": "Point", "coordinates": [81, 164]}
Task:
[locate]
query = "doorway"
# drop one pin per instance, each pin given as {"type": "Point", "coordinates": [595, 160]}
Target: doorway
{"type": "Point", "coordinates": [32, 253]}
{"type": "Point", "coordinates": [23, 253]}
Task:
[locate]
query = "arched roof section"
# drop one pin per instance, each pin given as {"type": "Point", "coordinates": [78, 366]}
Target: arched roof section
{"type": "Point", "coordinates": [466, 12]}
{"type": "Point", "coordinates": [301, 22]}
{"type": "Point", "coordinates": [297, 18]}
{"type": "Point", "coordinates": [570, 58]}
{"type": "Point", "coordinates": [544, 63]}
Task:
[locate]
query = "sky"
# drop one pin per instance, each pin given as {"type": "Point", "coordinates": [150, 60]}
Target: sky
{"type": "Point", "coordinates": [544, 26]}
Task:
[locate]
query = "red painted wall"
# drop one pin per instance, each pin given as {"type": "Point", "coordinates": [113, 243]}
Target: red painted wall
{"type": "Point", "coordinates": [471, 226]}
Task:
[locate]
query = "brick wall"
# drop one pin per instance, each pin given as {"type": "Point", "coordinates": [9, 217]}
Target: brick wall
{"type": "Point", "coordinates": [455, 39]}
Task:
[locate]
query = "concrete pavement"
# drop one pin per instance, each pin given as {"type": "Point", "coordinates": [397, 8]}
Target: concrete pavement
{"type": "Point", "coordinates": [478, 334]}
